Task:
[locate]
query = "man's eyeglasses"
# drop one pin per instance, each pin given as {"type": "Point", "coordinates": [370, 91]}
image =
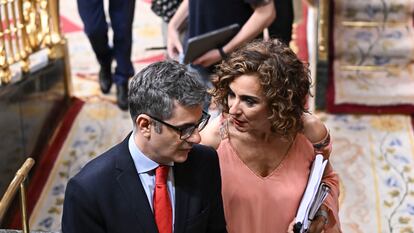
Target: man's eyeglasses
{"type": "Point", "coordinates": [187, 130]}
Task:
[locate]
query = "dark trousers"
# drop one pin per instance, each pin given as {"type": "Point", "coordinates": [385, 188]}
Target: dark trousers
{"type": "Point", "coordinates": [121, 13]}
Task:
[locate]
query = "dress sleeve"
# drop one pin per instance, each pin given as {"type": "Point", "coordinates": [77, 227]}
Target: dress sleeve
{"type": "Point", "coordinates": [330, 177]}
{"type": "Point", "coordinates": [332, 202]}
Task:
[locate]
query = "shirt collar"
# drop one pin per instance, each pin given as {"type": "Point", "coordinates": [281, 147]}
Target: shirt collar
{"type": "Point", "coordinates": [143, 164]}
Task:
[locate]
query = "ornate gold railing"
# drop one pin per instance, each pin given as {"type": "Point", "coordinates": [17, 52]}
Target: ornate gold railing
{"type": "Point", "coordinates": [26, 27]}
{"type": "Point", "coordinates": [16, 183]}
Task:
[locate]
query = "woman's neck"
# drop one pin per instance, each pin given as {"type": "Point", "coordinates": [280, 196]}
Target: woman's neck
{"type": "Point", "coordinates": [259, 137]}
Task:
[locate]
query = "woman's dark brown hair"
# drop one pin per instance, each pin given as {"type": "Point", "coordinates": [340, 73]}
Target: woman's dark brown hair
{"type": "Point", "coordinates": [285, 81]}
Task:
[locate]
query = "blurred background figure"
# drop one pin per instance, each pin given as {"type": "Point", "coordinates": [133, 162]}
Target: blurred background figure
{"type": "Point", "coordinates": [121, 13]}
{"type": "Point", "coordinates": [281, 28]}
{"type": "Point", "coordinates": [253, 16]}
{"type": "Point", "coordinates": [204, 16]}
{"type": "Point", "coordinates": [166, 9]}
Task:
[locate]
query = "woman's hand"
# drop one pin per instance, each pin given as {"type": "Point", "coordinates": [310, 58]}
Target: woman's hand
{"type": "Point", "coordinates": [174, 46]}
{"type": "Point", "coordinates": [290, 228]}
{"type": "Point", "coordinates": [320, 220]}
{"type": "Point", "coordinates": [317, 225]}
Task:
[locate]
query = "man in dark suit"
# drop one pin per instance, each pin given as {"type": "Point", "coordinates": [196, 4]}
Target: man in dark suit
{"type": "Point", "coordinates": [157, 179]}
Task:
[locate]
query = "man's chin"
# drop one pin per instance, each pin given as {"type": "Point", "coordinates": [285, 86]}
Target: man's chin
{"type": "Point", "coordinates": [182, 157]}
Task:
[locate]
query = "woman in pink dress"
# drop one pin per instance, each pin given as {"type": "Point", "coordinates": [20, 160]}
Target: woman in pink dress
{"type": "Point", "coordinates": [267, 141]}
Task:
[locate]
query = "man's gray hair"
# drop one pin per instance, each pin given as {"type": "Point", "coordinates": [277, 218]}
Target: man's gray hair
{"type": "Point", "coordinates": [155, 88]}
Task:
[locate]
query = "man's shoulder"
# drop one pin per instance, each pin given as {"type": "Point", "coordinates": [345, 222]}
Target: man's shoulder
{"type": "Point", "coordinates": [201, 169]}
{"type": "Point", "coordinates": [100, 166]}
{"type": "Point", "coordinates": [203, 151]}
{"type": "Point", "coordinates": [201, 156]}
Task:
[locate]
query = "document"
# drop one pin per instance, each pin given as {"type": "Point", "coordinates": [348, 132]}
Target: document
{"type": "Point", "coordinates": [312, 199]}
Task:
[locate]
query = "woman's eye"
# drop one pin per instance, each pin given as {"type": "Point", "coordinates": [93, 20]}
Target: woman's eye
{"type": "Point", "coordinates": [250, 102]}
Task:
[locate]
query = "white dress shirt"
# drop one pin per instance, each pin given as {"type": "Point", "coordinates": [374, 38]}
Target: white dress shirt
{"type": "Point", "coordinates": [146, 171]}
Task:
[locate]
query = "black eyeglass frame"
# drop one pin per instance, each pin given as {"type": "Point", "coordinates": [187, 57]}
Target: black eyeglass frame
{"type": "Point", "coordinates": [204, 118]}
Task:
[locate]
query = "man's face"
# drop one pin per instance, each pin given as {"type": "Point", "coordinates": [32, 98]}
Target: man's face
{"type": "Point", "coordinates": [166, 147]}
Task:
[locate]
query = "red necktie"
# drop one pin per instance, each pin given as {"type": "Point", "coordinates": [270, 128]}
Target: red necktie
{"type": "Point", "coordinates": [162, 203]}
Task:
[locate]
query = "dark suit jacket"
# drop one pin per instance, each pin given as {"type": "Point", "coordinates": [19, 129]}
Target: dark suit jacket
{"type": "Point", "coordinates": [107, 195]}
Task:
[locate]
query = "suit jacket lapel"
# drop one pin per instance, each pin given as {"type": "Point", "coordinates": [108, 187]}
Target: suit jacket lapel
{"type": "Point", "coordinates": [181, 198]}
{"type": "Point", "coordinates": [135, 194]}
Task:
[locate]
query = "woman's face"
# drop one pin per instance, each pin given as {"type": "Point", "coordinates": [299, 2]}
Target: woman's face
{"type": "Point", "coordinates": [247, 105]}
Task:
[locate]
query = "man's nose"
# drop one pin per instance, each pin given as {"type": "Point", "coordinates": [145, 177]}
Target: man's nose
{"type": "Point", "coordinates": [195, 137]}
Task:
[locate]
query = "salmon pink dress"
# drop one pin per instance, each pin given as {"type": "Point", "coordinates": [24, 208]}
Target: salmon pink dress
{"type": "Point", "coordinates": [255, 204]}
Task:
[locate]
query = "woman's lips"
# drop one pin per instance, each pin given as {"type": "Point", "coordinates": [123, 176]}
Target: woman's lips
{"type": "Point", "coordinates": [238, 122]}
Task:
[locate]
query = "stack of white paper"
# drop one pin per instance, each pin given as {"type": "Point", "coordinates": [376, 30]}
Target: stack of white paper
{"type": "Point", "coordinates": [315, 194]}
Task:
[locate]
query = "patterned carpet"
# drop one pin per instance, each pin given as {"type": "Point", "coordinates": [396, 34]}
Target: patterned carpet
{"type": "Point", "coordinates": [374, 66]}
{"type": "Point", "coordinates": [373, 155]}
{"type": "Point", "coordinates": [99, 125]}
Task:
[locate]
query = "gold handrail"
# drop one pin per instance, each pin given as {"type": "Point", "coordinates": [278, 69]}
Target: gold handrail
{"type": "Point", "coordinates": [17, 182]}
{"type": "Point", "coordinates": [29, 26]}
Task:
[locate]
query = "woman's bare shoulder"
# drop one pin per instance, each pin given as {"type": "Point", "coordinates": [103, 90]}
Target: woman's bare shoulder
{"type": "Point", "coordinates": [210, 135]}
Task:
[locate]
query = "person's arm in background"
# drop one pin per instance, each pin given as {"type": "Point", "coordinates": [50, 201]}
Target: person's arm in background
{"type": "Point", "coordinates": [174, 45]}
{"type": "Point", "coordinates": [263, 15]}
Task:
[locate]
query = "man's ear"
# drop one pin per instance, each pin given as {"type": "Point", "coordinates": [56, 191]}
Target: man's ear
{"type": "Point", "coordinates": [143, 124]}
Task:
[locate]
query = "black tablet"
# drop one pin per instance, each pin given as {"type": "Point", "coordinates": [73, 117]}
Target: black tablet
{"type": "Point", "coordinates": [199, 45]}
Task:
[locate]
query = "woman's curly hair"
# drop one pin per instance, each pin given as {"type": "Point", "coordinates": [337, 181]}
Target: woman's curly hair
{"type": "Point", "coordinates": [285, 81]}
